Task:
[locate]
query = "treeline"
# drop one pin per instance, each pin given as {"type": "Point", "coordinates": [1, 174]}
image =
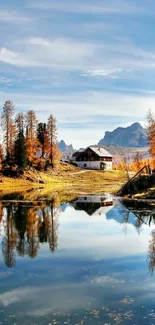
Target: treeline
{"type": "Point", "coordinates": [26, 142]}
{"type": "Point", "coordinates": [134, 163]}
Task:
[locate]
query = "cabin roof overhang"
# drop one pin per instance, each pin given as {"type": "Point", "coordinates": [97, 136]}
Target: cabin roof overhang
{"type": "Point", "coordinates": [99, 151]}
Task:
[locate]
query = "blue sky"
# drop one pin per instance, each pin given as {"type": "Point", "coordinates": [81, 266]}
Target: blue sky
{"type": "Point", "coordinates": [90, 63]}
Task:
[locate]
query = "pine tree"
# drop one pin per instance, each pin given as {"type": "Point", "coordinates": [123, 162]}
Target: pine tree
{"type": "Point", "coordinates": [20, 143]}
{"type": "Point", "coordinates": [20, 151]}
{"type": "Point", "coordinates": [42, 136]}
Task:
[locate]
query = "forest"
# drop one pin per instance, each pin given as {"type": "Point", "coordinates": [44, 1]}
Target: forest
{"type": "Point", "coordinates": [26, 142]}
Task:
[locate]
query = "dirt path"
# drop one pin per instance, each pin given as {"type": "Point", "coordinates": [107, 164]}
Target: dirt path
{"type": "Point", "coordinates": [81, 172]}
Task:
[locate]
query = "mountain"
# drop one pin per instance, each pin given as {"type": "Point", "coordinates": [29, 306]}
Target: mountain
{"type": "Point", "coordinates": [64, 147]}
{"type": "Point", "coordinates": [131, 136]}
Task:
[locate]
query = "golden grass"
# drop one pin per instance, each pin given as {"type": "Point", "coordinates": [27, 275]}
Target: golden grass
{"type": "Point", "coordinates": [66, 178]}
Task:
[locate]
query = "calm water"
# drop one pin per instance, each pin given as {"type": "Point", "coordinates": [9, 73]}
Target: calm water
{"type": "Point", "coordinates": [84, 262]}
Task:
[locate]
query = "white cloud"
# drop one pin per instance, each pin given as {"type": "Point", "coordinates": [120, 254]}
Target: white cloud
{"type": "Point", "coordinates": [13, 17]}
{"type": "Point", "coordinates": [103, 72]}
{"type": "Point", "coordinates": [57, 53]}
{"type": "Point", "coordinates": [5, 80]}
{"type": "Point", "coordinates": [106, 280]}
{"type": "Point", "coordinates": [82, 104]}
{"type": "Point", "coordinates": [90, 7]}
{"type": "Point", "coordinates": [15, 58]}
{"type": "Point", "coordinates": [95, 230]}
{"type": "Point", "coordinates": [17, 295]}
{"type": "Point", "coordinates": [65, 54]}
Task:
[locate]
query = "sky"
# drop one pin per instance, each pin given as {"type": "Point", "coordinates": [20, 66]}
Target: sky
{"type": "Point", "coordinates": [90, 63]}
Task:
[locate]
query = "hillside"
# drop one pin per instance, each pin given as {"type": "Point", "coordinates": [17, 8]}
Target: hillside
{"type": "Point", "coordinates": [64, 176]}
{"type": "Point", "coordinates": [131, 136]}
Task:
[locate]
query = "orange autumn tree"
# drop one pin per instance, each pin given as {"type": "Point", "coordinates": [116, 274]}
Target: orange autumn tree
{"type": "Point", "coordinates": [54, 153]}
{"type": "Point", "coordinates": [137, 163]}
{"type": "Point", "coordinates": [32, 143]}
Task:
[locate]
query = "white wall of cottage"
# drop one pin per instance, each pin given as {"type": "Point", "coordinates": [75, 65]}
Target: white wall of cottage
{"type": "Point", "coordinates": [94, 164]}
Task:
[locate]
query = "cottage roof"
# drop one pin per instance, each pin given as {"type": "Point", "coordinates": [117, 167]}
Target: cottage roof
{"type": "Point", "coordinates": [101, 152]}
{"type": "Point", "coordinates": [77, 153]}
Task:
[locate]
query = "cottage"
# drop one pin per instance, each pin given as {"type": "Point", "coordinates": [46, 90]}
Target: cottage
{"type": "Point", "coordinates": [94, 158]}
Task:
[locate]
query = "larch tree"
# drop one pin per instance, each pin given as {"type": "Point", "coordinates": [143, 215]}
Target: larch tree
{"type": "Point", "coordinates": [9, 129]}
{"type": "Point", "coordinates": [137, 164]}
{"type": "Point", "coordinates": [51, 127]}
{"type": "Point", "coordinates": [32, 143]}
{"type": "Point", "coordinates": [20, 143]}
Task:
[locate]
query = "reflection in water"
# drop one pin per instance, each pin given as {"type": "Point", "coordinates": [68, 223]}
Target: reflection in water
{"type": "Point", "coordinates": [98, 273]}
{"type": "Point", "coordinates": [93, 204]}
{"type": "Point", "coordinates": [151, 253]}
{"type": "Point", "coordinates": [25, 227]}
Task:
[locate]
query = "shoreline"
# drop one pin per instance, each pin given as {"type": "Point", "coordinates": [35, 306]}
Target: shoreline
{"type": "Point", "coordinates": [71, 180]}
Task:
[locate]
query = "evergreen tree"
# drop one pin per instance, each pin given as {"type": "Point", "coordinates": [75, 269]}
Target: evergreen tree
{"type": "Point", "coordinates": [20, 143]}
{"type": "Point", "coordinates": [41, 136]}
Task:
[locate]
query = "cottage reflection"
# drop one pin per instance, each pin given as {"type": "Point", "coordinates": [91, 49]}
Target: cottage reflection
{"type": "Point", "coordinates": [94, 204]}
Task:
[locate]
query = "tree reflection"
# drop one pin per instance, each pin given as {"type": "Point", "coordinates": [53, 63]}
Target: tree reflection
{"type": "Point", "coordinates": [20, 218]}
{"type": "Point", "coordinates": [10, 239]}
{"type": "Point", "coordinates": [151, 253]}
{"type": "Point", "coordinates": [53, 225]}
{"type": "Point", "coordinates": [32, 233]}
{"type": "Point", "coordinates": [26, 227]}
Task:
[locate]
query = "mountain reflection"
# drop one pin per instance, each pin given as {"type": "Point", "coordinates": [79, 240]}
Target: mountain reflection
{"type": "Point", "coordinates": [24, 227]}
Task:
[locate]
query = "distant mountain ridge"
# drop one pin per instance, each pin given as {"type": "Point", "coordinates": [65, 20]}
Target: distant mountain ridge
{"type": "Point", "coordinates": [132, 136]}
{"type": "Point", "coordinates": [64, 147]}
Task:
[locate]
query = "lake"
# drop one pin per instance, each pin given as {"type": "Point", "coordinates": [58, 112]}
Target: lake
{"type": "Point", "coordinates": [88, 261]}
